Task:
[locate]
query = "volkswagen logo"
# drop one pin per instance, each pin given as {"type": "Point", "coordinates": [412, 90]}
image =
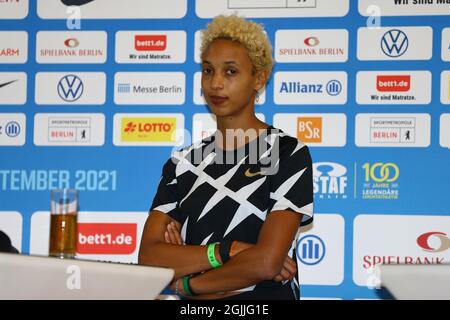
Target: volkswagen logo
{"type": "Point", "coordinates": [70, 88]}
{"type": "Point", "coordinates": [394, 43]}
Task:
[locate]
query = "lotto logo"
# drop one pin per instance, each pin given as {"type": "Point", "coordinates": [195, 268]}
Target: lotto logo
{"type": "Point", "coordinates": [309, 129]}
{"type": "Point", "coordinates": [148, 129]}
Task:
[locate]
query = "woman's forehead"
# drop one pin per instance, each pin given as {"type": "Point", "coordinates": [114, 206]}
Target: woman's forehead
{"type": "Point", "coordinates": [226, 50]}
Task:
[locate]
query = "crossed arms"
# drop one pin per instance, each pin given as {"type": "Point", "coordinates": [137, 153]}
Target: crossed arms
{"type": "Point", "coordinates": [161, 245]}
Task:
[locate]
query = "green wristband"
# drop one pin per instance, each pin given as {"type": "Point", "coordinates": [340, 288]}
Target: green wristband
{"type": "Point", "coordinates": [186, 286]}
{"type": "Point", "coordinates": [212, 256]}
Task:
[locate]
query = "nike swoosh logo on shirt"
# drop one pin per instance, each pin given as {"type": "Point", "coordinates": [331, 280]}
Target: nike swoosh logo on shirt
{"type": "Point", "coordinates": [253, 174]}
{"type": "Point", "coordinates": [6, 83]}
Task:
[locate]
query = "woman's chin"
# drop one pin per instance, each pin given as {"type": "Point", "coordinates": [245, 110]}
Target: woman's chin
{"type": "Point", "coordinates": [220, 111]}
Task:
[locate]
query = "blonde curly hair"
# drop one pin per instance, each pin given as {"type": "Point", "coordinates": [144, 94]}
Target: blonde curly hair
{"type": "Point", "coordinates": [248, 33]}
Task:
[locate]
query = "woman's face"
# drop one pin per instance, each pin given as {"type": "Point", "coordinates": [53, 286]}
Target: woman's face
{"type": "Point", "coordinates": [229, 82]}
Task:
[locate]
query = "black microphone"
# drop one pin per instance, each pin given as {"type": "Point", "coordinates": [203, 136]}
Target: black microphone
{"type": "Point", "coordinates": [75, 2]}
{"type": "Point", "coordinates": [5, 244]}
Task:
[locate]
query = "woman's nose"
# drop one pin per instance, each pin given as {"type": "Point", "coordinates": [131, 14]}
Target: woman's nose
{"type": "Point", "coordinates": [217, 81]}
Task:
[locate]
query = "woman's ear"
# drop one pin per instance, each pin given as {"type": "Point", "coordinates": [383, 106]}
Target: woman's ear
{"type": "Point", "coordinates": [261, 79]}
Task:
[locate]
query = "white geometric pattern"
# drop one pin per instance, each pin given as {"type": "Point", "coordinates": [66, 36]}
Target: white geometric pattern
{"type": "Point", "coordinates": [282, 198]}
{"type": "Point", "coordinates": [245, 208]}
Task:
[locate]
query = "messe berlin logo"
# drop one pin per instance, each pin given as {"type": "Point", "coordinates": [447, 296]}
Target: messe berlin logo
{"type": "Point", "coordinates": [310, 250]}
{"type": "Point", "coordinates": [394, 43]}
{"type": "Point", "coordinates": [434, 241]}
{"type": "Point", "coordinates": [70, 88]}
{"type": "Point", "coordinates": [124, 88]}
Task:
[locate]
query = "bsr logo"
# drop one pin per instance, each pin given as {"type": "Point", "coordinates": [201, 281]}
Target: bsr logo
{"type": "Point", "coordinates": [309, 129]}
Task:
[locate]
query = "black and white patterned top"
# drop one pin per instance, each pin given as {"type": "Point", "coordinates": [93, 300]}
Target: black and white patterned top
{"type": "Point", "coordinates": [216, 194]}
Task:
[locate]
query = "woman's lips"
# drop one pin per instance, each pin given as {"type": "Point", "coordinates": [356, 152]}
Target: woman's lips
{"type": "Point", "coordinates": [217, 100]}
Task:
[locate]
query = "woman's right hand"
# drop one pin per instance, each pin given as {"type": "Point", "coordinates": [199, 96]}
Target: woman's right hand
{"type": "Point", "coordinates": [288, 271]}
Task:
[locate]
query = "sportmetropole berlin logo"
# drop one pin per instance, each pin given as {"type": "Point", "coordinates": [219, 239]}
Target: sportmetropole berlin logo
{"type": "Point", "coordinates": [394, 43]}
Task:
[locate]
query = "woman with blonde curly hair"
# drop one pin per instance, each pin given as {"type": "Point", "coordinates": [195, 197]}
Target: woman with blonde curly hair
{"type": "Point", "coordinates": [228, 228]}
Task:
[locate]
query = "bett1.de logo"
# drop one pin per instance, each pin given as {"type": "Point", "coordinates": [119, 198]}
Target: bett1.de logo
{"type": "Point", "coordinates": [310, 250]}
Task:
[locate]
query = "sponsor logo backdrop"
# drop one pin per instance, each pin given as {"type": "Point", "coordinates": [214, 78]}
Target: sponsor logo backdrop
{"type": "Point", "coordinates": [99, 103]}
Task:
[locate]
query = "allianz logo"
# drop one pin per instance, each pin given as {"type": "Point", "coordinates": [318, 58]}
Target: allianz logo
{"type": "Point", "coordinates": [333, 87]}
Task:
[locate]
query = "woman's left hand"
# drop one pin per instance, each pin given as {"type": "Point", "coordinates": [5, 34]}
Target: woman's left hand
{"type": "Point", "coordinates": [173, 233]}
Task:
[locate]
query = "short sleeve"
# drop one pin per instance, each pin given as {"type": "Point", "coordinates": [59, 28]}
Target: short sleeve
{"type": "Point", "coordinates": [166, 198]}
{"type": "Point", "coordinates": [291, 187]}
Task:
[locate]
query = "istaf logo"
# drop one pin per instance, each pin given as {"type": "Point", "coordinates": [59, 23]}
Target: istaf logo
{"type": "Point", "coordinates": [329, 180]}
{"type": "Point", "coordinates": [75, 2]}
{"type": "Point", "coordinates": [434, 241]}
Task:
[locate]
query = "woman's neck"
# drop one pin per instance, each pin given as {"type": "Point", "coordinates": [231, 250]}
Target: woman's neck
{"type": "Point", "coordinates": [234, 132]}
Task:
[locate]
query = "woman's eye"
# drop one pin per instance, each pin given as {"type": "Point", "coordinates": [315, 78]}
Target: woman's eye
{"type": "Point", "coordinates": [207, 71]}
{"type": "Point", "coordinates": [231, 71]}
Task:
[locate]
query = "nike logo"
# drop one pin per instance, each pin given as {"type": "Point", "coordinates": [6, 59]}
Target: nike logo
{"type": "Point", "coordinates": [6, 83]}
{"type": "Point", "coordinates": [253, 174]}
